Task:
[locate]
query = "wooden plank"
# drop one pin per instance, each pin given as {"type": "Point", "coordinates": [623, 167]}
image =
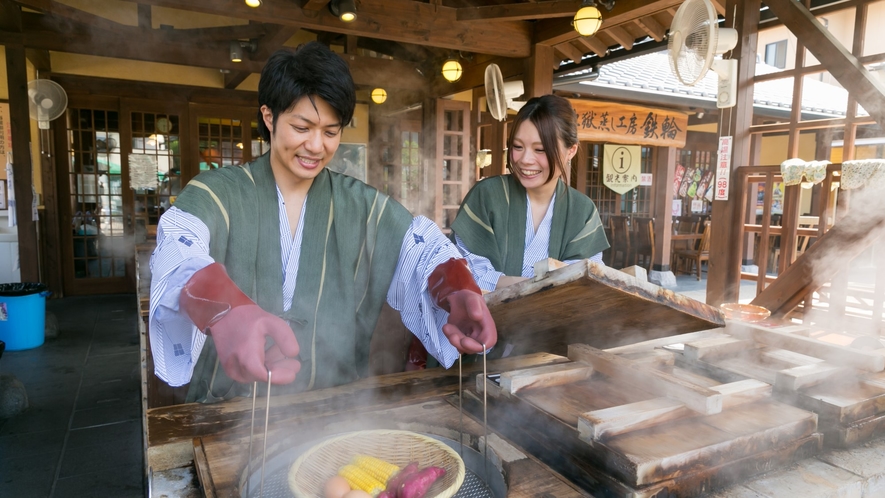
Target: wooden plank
{"type": "Point", "coordinates": [201, 464]}
{"type": "Point", "coordinates": [707, 348]}
{"type": "Point", "coordinates": [742, 391]}
{"type": "Point", "coordinates": [593, 44]}
{"type": "Point", "coordinates": [169, 424]}
{"type": "Point", "coordinates": [837, 355]}
{"type": "Point", "coordinates": [596, 425]}
{"type": "Point", "coordinates": [653, 358]}
{"type": "Point", "coordinates": [625, 310]}
{"type": "Point", "coordinates": [553, 31]}
{"type": "Point", "coordinates": [674, 340]}
{"type": "Point", "coordinates": [699, 399]}
{"type": "Point", "coordinates": [810, 375]}
{"type": "Point", "coordinates": [615, 127]}
{"type": "Point", "coordinates": [550, 375]}
{"type": "Point", "coordinates": [652, 27]}
{"type": "Point", "coordinates": [520, 11]}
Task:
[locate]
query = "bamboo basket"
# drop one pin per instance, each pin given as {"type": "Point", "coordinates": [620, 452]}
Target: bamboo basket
{"type": "Point", "coordinates": [314, 467]}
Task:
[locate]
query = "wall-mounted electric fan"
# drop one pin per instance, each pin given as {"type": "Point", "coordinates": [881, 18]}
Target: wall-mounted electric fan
{"type": "Point", "coordinates": [47, 100]}
{"type": "Point", "coordinates": [500, 95]}
{"type": "Point", "coordinates": [694, 41]}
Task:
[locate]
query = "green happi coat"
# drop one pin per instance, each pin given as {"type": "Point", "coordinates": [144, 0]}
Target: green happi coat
{"type": "Point", "coordinates": [349, 252]}
{"type": "Point", "coordinates": [492, 224]}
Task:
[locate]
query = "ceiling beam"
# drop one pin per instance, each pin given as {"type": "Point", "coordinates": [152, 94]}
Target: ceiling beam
{"type": "Point", "coordinates": [314, 5]}
{"type": "Point", "coordinates": [864, 86]}
{"type": "Point", "coordinates": [520, 11]}
{"type": "Point", "coordinates": [41, 32]}
{"type": "Point", "coordinates": [38, 5]}
{"type": "Point", "coordinates": [553, 31]}
{"type": "Point", "coordinates": [396, 20]}
{"type": "Point", "coordinates": [621, 36]}
{"type": "Point", "coordinates": [570, 52]}
{"type": "Point", "coordinates": [474, 76]}
{"type": "Point", "coordinates": [593, 44]}
{"type": "Point", "coordinates": [652, 27]}
{"type": "Point", "coordinates": [274, 39]}
{"type": "Point", "coordinates": [10, 16]}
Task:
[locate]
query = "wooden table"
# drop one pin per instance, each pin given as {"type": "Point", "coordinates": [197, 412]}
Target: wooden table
{"type": "Point", "coordinates": [214, 438]}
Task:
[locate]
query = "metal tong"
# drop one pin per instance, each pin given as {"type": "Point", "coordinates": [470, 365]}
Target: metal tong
{"type": "Point", "coordinates": [485, 425]}
{"type": "Point", "coordinates": [252, 434]}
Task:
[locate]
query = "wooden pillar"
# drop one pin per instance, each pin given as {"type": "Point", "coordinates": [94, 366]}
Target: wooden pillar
{"type": "Point", "coordinates": [499, 142]}
{"type": "Point", "coordinates": [723, 278]}
{"type": "Point", "coordinates": [17, 79]}
{"type": "Point", "coordinates": [538, 75]}
{"type": "Point", "coordinates": [664, 171]}
{"type": "Point", "coordinates": [431, 205]}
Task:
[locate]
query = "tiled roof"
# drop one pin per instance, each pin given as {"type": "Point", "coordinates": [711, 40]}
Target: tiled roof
{"type": "Point", "coordinates": [651, 73]}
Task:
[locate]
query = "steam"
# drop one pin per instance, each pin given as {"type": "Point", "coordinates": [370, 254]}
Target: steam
{"type": "Point", "coordinates": [864, 225]}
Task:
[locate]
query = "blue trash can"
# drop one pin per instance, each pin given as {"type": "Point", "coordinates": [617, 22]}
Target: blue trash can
{"type": "Point", "coordinates": [22, 315]}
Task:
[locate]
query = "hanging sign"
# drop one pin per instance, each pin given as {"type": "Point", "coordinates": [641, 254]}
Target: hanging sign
{"type": "Point", "coordinates": [723, 168]}
{"type": "Point", "coordinates": [5, 131]}
{"type": "Point", "coordinates": [622, 167]}
{"type": "Point", "coordinates": [142, 171]}
{"type": "Point", "coordinates": [629, 124]}
{"type": "Point", "coordinates": [646, 179]}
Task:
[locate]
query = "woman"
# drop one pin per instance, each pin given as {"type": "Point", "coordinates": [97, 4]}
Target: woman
{"type": "Point", "coordinates": [509, 222]}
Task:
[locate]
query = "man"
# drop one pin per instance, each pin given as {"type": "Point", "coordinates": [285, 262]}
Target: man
{"type": "Point", "coordinates": [283, 266]}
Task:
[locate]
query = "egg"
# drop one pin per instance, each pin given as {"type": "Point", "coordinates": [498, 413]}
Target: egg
{"type": "Point", "coordinates": [357, 493]}
{"type": "Point", "coordinates": [336, 487]}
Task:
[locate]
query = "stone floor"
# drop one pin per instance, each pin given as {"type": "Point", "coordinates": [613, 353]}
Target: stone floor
{"type": "Point", "coordinates": [82, 435]}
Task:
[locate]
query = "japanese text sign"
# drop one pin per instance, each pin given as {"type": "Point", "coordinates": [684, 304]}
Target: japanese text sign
{"type": "Point", "coordinates": [5, 131]}
{"type": "Point", "coordinates": [622, 167]}
{"type": "Point", "coordinates": [723, 168]}
{"type": "Point", "coordinates": [629, 124]}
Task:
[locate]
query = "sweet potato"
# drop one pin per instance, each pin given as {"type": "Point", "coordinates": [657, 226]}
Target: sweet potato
{"type": "Point", "coordinates": [394, 482]}
{"type": "Point", "coordinates": [416, 485]}
{"type": "Point", "coordinates": [387, 494]}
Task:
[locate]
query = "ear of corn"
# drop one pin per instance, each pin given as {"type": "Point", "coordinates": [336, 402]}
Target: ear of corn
{"type": "Point", "coordinates": [360, 479]}
{"type": "Point", "coordinates": [377, 468]}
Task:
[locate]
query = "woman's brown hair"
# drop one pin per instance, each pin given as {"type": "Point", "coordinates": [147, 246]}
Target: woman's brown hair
{"type": "Point", "coordinates": [555, 119]}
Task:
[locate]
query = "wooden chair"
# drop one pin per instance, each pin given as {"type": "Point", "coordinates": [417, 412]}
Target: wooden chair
{"type": "Point", "coordinates": [620, 230]}
{"type": "Point", "coordinates": [645, 242]}
{"type": "Point", "coordinates": [692, 257]}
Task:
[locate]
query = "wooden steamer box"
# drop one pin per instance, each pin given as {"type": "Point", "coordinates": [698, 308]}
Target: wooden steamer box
{"type": "Point", "coordinates": [590, 303]}
{"type": "Point", "coordinates": [644, 427]}
{"type": "Point", "coordinates": [843, 385]}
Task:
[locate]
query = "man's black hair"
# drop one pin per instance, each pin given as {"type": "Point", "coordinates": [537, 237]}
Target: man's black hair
{"type": "Point", "coordinates": [311, 70]}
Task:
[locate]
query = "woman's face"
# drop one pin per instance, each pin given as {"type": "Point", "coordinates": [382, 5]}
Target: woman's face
{"type": "Point", "coordinates": [529, 160]}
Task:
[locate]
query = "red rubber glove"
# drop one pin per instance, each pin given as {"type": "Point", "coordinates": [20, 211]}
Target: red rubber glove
{"type": "Point", "coordinates": [470, 323]}
{"type": "Point", "coordinates": [238, 327]}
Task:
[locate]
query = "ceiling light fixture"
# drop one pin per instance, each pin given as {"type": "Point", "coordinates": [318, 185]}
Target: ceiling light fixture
{"type": "Point", "coordinates": [379, 95]}
{"type": "Point", "coordinates": [344, 9]}
{"type": "Point", "coordinates": [236, 51]}
{"type": "Point", "coordinates": [253, 3]}
{"type": "Point", "coordinates": [588, 19]}
{"type": "Point", "coordinates": [452, 70]}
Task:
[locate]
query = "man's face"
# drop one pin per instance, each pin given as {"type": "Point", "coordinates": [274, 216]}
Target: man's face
{"type": "Point", "coordinates": [304, 140]}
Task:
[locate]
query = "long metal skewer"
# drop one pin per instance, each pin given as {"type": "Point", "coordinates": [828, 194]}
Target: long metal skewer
{"type": "Point", "coordinates": [485, 423]}
{"type": "Point", "coordinates": [460, 408]}
{"type": "Point", "coordinates": [266, 420]}
{"type": "Point", "coordinates": [251, 434]}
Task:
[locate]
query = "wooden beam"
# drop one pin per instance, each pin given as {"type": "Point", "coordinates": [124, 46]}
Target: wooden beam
{"type": "Point", "coordinates": [742, 391]}
{"type": "Point", "coordinates": [719, 5]}
{"type": "Point", "coordinates": [699, 399]}
{"type": "Point", "coordinates": [520, 11]}
{"type": "Point", "coordinates": [856, 232]}
{"type": "Point", "coordinates": [273, 39]}
{"type": "Point", "coordinates": [793, 379]}
{"type": "Point", "coordinates": [553, 31]}
{"type": "Point", "coordinates": [10, 16]}
{"type": "Point", "coordinates": [20, 124]}
{"type": "Point", "coordinates": [621, 36]}
{"type": "Point", "coordinates": [652, 27]}
{"type": "Point", "coordinates": [545, 376]}
{"type": "Point", "coordinates": [724, 270]}
{"type": "Point", "coordinates": [314, 5]}
{"type": "Point", "coordinates": [598, 424]}
{"type": "Point", "coordinates": [538, 78]}
{"type": "Point", "coordinates": [434, 25]}
{"type": "Point", "coordinates": [569, 51]}
{"type": "Point", "coordinates": [593, 44]}
{"type": "Point", "coordinates": [718, 346]}
{"type": "Point", "coordinates": [861, 84]}
{"type": "Point", "coordinates": [832, 353]}
{"type": "Point", "coordinates": [153, 47]}
{"type": "Point", "coordinates": [40, 59]}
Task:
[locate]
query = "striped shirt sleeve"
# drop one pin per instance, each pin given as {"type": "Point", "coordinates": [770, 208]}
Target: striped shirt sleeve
{"type": "Point", "coordinates": [182, 249]}
{"type": "Point", "coordinates": [483, 271]}
{"type": "Point", "coordinates": [424, 248]}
